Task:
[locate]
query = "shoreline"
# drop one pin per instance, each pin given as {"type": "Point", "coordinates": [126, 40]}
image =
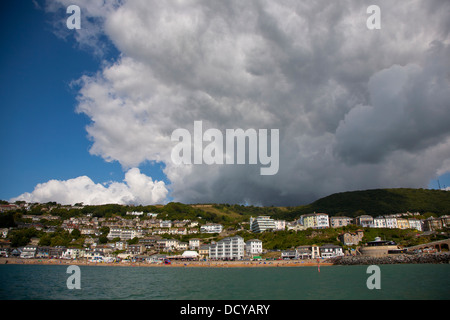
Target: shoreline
{"type": "Point", "coordinates": [443, 258]}
{"type": "Point", "coordinates": [187, 264]}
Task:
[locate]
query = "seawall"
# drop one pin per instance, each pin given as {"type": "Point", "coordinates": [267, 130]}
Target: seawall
{"type": "Point", "coordinates": [441, 258]}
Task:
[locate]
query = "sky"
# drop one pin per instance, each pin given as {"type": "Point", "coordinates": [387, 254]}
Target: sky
{"type": "Point", "coordinates": [88, 115]}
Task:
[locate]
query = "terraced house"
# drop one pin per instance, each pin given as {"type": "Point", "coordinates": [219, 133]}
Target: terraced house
{"type": "Point", "coordinates": [315, 220]}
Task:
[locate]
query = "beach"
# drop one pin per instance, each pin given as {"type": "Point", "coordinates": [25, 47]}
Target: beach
{"type": "Point", "coordinates": [204, 264]}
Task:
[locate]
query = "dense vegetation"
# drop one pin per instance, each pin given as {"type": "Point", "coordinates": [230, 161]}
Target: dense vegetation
{"type": "Point", "coordinates": [382, 202]}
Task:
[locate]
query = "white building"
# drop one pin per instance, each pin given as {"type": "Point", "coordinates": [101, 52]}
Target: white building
{"type": "Point", "coordinates": [73, 253]}
{"type": "Point", "coordinates": [28, 252]}
{"type": "Point", "coordinates": [168, 244]}
{"type": "Point", "coordinates": [379, 222]}
{"type": "Point", "coordinates": [228, 248]}
{"type": "Point", "coordinates": [165, 224]}
{"type": "Point", "coordinates": [365, 221]}
{"type": "Point", "coordinates": [135, 213]}
{"type": "Point", "coordinates": [194, 243]}
{"type": "Point", "coordinates": [123, 234]}
{"type": "Point", "coordinates": [391, 222]}
{"type": "Point", "coordinates": [253, 247]}
{"type": "Point", "coordinates": [280, 225]}
{"type": "Point", "coordinates": [261, 224]}
{"type": "Point", "coordinates": [211, 228]}
{"type": "Point", "coordinates": [330, 251]}
{"type": "Point", "coordinates": [415, 224]}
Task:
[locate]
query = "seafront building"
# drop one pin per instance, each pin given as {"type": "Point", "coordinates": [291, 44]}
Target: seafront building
{"type": "Point", "coordinates": [313, 252]}
{"type": "Point", "coordinates": [254, 247]}
{"type": "Point", "coordinates": [232, 248]}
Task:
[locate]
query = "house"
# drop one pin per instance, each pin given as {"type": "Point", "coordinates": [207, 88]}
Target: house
{"type": "Point", "coordinates": [28, 252]}
{"type": "Point", "coordinates": [95, 256]}
{"type": "Point", "coordinates": [402, 223]}
{"type": "Point", "coordinates": [87, 230]}
{"type": "Point", "coordinates": [303, 252]}
{"type": "Point", "coordinates": [365, 221]}
{"type": "Point", "coordinates": [331, 251]}
{"type": "Point", "coordinates": [288, 254]}
{"type": "Point", "coordinates": [156, 258]}
{"type": "Point", "coordinates": [73, 253]}
{"type": "Point", "coordinates": [295, 226]}
{"type": "Point", "coordinates": [167, 244]}
{"type": "Point", "coordinates": [350, 239]}
{"type": "Point", "coordinates": [182, 246]}
{"type": "Point", "coordinates": [379, 222]}
{"type": "Point", "coordinates": [105, 248]}
{"type": "Point", "coordinates": [432, 224]}
{"type": "Point", "coordinates": [42, 252]}
{"type": "Point", "coordinates": [135, 249]}
{"type": "Point", "coordinates": [391, 222]}
{"type": "Point", "coordinates": [56, 252]}
{"type": "Point", "coordinates": [194, 243]}
{"type": "Point", "coordinates": [280, 225]}
{"type": "Point", "coordinates": [121, 245]}
{"type": "Point", "coordinates": [315, 220]}
{"type": "Point", "coordinates": [114, 233]}
{"type": "Point", "coordinates": [315, 251]}
{"type": "Point", "coordinates": [253, 247]}
{"type": "Point", "coordinates": [415, 224]}
{"type": "Point", "coordinates": [203, 251]}
{"type": "Point", "coordinates": [339, 221]}
{"type": "Point", "coordinates": [211, 228]}
{"type": "Point", "coordinates": [165, 224]}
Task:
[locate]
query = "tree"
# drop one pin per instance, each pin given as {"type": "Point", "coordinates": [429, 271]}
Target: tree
{"type": "Point", "coordinates": [104, 231]}
{"type": "Point", "coordinates": [103, 239]}
{"type": "Point", "coordinates": [135, 240]}
{"type": "Point", "coordinates": [75, 233]}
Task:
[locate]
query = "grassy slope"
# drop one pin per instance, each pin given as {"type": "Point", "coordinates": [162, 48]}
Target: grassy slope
{"type": "Point", "coordinates": [353, 203]}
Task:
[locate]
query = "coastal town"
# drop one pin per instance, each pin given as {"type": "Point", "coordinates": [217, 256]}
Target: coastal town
{"type": "Point", "coordinates": [146, 237]}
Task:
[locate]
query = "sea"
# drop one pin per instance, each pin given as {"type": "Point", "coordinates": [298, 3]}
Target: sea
{"type": "Point", "coordinates": [395, 282]}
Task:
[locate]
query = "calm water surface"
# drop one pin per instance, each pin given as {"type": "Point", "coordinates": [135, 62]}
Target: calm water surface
{"type": "Point", "coordinates": [34, 282]}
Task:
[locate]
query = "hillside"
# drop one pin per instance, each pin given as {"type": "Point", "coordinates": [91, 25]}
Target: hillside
{"type": "Point", "coordinates": [381, 202]}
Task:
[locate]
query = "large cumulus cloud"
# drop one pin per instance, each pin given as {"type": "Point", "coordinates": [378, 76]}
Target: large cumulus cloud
{"type": "Point", "coordinates": [137, 188]}
{"type": "Point", "coordinates": [356, 108]}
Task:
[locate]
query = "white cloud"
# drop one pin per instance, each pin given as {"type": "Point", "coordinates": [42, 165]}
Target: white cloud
{"type": "Point", "coordinates": [137, 188]}
{"type": "Point", "coordinates": [356, 108]}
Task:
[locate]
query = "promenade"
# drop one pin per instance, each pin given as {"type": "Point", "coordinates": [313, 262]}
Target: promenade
{"type": "Point", "coordinates": [204, 264]}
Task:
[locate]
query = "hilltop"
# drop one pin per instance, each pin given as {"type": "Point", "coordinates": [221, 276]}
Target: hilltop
{"type": "Point", "coordinates": [352, 203]}
{"type": "Point", "coordinates": [382, 202]}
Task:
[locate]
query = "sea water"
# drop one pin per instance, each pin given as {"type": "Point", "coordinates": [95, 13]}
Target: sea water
{"type": "Point", "coordinates": [397, 282]}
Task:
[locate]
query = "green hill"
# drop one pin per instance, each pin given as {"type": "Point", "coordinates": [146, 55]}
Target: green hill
{"type": "Point", "coordinates": [381, 202]}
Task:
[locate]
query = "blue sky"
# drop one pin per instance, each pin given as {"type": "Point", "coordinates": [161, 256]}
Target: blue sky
{"type": "Point", "coordinates": [317, 106]}
{"type": "Point", "coordinates": [43, 138]}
